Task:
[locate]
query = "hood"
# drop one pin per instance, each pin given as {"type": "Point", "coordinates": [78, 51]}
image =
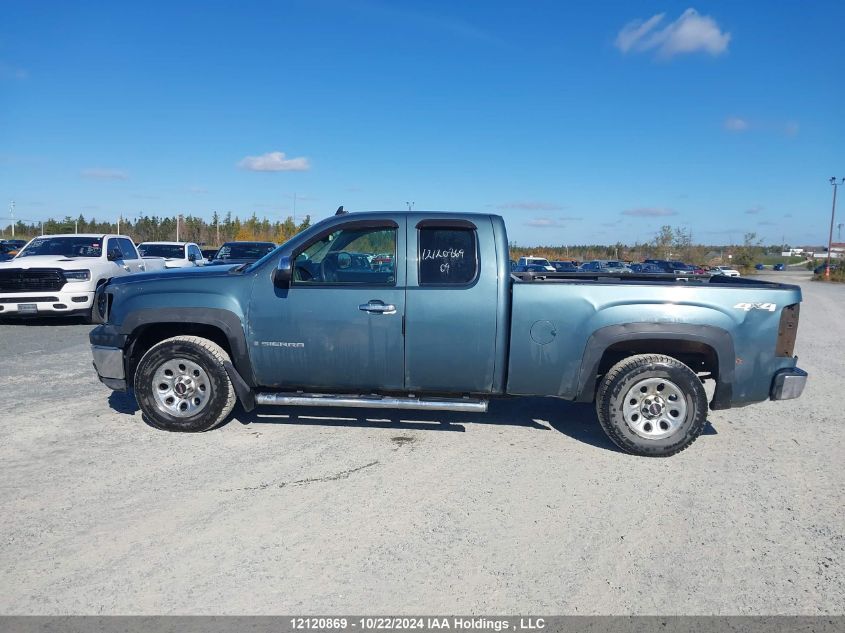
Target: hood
{"type": "Point", "coordinates": [52, 261]}
{"type": "Point", "coordinates": [231, 261]}
{"type": "Point", "coordinates": [171, 274]}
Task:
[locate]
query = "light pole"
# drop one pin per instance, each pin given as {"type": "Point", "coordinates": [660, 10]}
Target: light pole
{"type": "Point", "coordinates": [832, 214]}
{"type": "Point", "coordinates": [410, 205]}
{"type": "Point", "coordinates": [12, 216]}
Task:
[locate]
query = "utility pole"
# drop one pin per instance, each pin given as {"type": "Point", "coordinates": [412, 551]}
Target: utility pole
{"type": "Point", "coordinates": [76, 227]}
{"type": "Point", "coordinates": [410, 205]}
{"type": "Point", "coordinates": [839, 232]}
{"type": "Point", "coordinates": [12, 216]}
{"type": "Point", "coordinates": [218, 231]}
{"type": "Point", "coordinates": [178, 219]}
{"type": "Point", "coordinates": [294, 209]}
{"type": "Point", "coordinates": [832, 214]}
{"type": "Point", "coordinates": [118, 224]}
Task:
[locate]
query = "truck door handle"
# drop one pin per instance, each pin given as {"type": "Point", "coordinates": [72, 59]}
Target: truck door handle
{"type": "Point", "coordinates": [379, 307]}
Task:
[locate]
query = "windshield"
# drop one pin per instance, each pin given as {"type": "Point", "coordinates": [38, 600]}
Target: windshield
{"type": "Point", "coordinates": [64, 247]}
{"type": "Point", "coordinates": [162, 250]}
{"type": "Point", "coordinates": [244, 250]}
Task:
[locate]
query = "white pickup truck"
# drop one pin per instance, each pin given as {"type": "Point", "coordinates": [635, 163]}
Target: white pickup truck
{"type": "Point", "coordinates": [58, 274]}
{"type": "Point", "coordinates": [175, 254]}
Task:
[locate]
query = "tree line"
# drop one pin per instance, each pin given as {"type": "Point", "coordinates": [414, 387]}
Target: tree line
{"type": "Point", "coordinates": [668, 243]}
{"type": "Point", "coordinates": [673, 243]}
{"type": "Point", "coordinates": [163, 228]}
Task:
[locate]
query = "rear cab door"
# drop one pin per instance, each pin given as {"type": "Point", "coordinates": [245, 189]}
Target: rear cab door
{"type": "Point", "coordinates": [454, 305]}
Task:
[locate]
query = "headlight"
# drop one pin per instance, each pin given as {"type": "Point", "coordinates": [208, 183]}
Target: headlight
{"type": "Point", "coordinates": [78, 275]}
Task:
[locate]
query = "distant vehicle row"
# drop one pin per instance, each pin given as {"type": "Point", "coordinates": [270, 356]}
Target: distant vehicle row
{"type": "Point", "coordinates": [535, 265]}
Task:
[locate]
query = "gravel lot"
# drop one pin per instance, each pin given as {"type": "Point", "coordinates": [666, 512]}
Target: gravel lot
{"type": "Point", "coordinates": [526, 509]}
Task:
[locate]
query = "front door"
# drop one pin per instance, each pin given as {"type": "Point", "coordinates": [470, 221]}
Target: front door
{"type": "Point", "coordinates": [339, 325]}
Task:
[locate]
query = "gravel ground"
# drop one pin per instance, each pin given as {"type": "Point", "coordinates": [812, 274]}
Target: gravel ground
{"type": "Point", "coordinates": [526, 509]}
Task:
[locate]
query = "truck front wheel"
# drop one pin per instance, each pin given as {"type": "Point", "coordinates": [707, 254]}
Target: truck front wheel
{"type": "Point", "coordinates": [181, 385]}
{"type": "Point", "coordinates": [651, 405]}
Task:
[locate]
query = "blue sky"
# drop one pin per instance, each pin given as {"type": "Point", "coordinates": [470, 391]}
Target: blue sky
{"type": "Point", "coordinates": [579, 122]}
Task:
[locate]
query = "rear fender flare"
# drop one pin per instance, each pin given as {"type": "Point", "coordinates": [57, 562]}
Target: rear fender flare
{"type": "Point", "coordinates": [717, 338]}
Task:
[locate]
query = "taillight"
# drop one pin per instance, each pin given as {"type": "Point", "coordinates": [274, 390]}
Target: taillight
{"type": "Point", "coordinates": [787, 330]}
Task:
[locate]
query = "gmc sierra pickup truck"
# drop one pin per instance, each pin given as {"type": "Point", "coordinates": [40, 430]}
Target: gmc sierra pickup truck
{"type": "Point", "coordinates": [420, 311]}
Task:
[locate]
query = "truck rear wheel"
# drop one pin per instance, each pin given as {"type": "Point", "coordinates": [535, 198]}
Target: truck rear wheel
{"type": "Point", "coordinates": [181, 385]}
{"type": "Point", "coordinates": [651, 405]}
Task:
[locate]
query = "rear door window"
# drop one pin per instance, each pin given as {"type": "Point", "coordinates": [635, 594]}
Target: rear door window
{"type": "Point", "coordinates": [447, 256]}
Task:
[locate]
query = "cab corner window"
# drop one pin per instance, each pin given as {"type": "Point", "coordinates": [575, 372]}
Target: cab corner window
{"type": "Point", "coordinates": [354, 256]}
{"type": "Point", "coordinates": [448, 256]}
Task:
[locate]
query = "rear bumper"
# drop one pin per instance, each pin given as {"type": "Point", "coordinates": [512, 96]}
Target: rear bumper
{"type": "Point", "coordinates": [788, 384]}
{"type": "Point", "coordinates": [108, 361]}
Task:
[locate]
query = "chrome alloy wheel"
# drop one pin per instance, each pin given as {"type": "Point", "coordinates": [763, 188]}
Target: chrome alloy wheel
{"type": "Point", "coordinates": [181, 388]}
{"type": "Point", "coordinates": [654, 408]}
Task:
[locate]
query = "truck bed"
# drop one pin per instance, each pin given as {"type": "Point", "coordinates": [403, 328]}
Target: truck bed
{"type": "Point", "coordinates": [556, 320]}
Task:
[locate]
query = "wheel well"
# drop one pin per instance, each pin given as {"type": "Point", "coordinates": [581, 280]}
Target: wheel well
{"type": "Point", "coordinates": [699, 357]}
{"type": "Point", "coordinates": [145, 336]}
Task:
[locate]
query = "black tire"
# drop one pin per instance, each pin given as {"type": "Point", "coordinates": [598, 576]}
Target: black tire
{"type": "Point", "coordinates": [90, 317]}
{"type": "Point", "coordinates": [211, 387]}
{"type": "Point", "coordinates": [633, 391]}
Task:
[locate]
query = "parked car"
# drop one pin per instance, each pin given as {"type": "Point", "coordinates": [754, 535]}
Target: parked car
{"type": "Point", "coordinates": [15, 245]}
{"type": "Point", "coordinates": [724, 270]}
{"type": "Point", "coordinates": [646, 269]}
{"type": "Point", "coordinates": [819, 270]}
{"type": "Point", "coordinates": [7, 252]}
{"type": "Point", "coordinates": [58, 274]}
{"type": "Point", "coordinates": [606, 266]}
{"type": "Point", "coordinates": [241, 252]}
{"type": "Point", "coordinates": [445, 331]}
{"type": "Point", "coordinates": [538, 261]}
{"type": "Point", "coordinates": [537, 269]}
{"type": "Point", "coordinates": [175, 254]}
{"type": "Point", "coordinates": [564, 267]}
{"type": "Point", "coordinates": [779, 267]}
{"type": "Point", "coordinates": [759, 267]}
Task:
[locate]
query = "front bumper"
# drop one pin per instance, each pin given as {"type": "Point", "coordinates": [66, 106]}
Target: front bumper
{"type": "Point", "coordinates": [788, 384]}
{"type": "Point", "coordinates": [65, 301]}
{"type": "Point", "coordinates": [108, 361]}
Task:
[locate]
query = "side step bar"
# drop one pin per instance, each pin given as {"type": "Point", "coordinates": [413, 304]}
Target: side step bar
{"type": "Point", "coordinates": [465, 405]}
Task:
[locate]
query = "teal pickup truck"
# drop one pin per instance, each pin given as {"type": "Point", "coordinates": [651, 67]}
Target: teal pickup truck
{"type": "Point", "coordinates": [420, 311]}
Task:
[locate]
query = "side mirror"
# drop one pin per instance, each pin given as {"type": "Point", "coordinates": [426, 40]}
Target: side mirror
{"type": "Point", "coordinates": [282, 273]}
{"type": "Point", "coordinates": [192, 257]}
{"type": "Point", "coordinates": [114, 254]}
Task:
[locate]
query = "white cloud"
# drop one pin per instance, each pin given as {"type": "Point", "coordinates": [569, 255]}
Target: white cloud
{"type": "Point", "coordinates": [274, 161]}
{"type": "Point", "coordinates": [690, 33]}
{"type": "Point", "coordinates": [736, 124]}
{"type": "Point", "coordinates": [649, 212]}
{"type": "Point", "coordinates": [104, 173]}
{"type": "Point", "coordinates": [531, 206]}
{"type": "Point", "coordinates": [549, 223]}
{"type": "Point", "coordinates": [755, 209]}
